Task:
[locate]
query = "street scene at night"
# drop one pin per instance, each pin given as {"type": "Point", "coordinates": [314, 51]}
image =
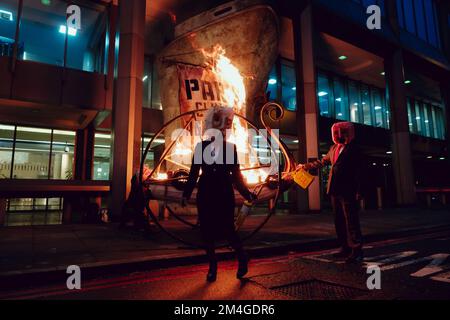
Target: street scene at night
{"type": "Point", "coordinates": [217, 158]}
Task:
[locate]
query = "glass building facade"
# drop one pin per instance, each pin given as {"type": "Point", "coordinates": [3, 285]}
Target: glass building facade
{"type": "Point", "coordinates": [281, 85]}
{"type": "Point", "coordinates": [348, 100]}
{"type": "Point", "coordinates": [102, 156]}
{"type": "Point", "coordinates": [36, 153]}
{"type": "Point", "coordinates": [419, 17]}
{"type": "Point", "coordinates": [43, 35]}
{"type": "Point", "coordinates": [151, 95]}
{"type": "Point", "coordinates": [426, 119]}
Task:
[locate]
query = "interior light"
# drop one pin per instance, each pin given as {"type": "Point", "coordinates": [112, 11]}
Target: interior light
{"type": "Point", "coordinates": [442, 158]}
{"type": "Point", "coordinates": [377, 108]}
{"type": "Point", "coordinates": [339, 99]}
{"type": "Point", "coordinates": [272, 81]}
{"type": "Point", "coordinates": [46, 2]}
{"type": "Point", "coordinates": [339, 114]}
{"type": "Point", "coordinates": [342, 57]}
{"type": "Point", "coordinates": [145, 78]}
{"type": "Point", "coordinates": [6, 15]}
{"type": "Point", "coordinates": [417, 118]}
{"type": "Point", "coordinates": [407, 81]}
{"type": "Point", "coordinates": [72, 31]}
{"type": "Point", "coordinates": [355, 104]}
{"type": "Point", "coordinates": [322, 93]}
{"type": "Point", "coordinates": [363, 103]}
{"type": "Point", "coordinates": [388, 152]}
{"type": "Point", "coordinates": [426, 121]}
{"type": "Point", "coordinates": [430, 157]}
{"type": "Point", "coordinates": [383, 73]}
{"type": "Point", "coordinates": [294, 88]}
{"type": "Point", "coordinates": [295, 141]}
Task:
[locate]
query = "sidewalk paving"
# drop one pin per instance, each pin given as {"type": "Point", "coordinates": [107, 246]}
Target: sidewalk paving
{"type": "Point", "coordinates": [39, 250]}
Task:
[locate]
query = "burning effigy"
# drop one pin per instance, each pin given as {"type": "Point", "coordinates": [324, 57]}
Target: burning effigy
{"type": "Point", "coordinates": [216, 65]}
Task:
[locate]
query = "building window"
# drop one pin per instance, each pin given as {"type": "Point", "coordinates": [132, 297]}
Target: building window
{"type": "Point", "coordinates": [102, 156]}
{"type": "Point", "coordinates": [6, 150]}
{"type": "Point", "coordinates": [63, 145]}
{"type": "Point", "coordinates": [419, 18]}
{"type": "Point", "coordinates": [36, 153]}
{"type": "Point", "coordinates": [281, 85]}
{"type": "Point", "coordinates": [288, 85]}
{"type": "Point", "coordinates": [32, 153]}
{"type": "Point", "coordinates": [344, 99]}
{"type": "Point", "coordinates": [8, 21]}
{"type": "Point", "coordinates": [354, 102]}
{"type": "Point", "coordinates": [340, 99]}
{"type": "Point", "coordinates": [283, 90]}
{"type": "Point", "coordinates": [324, 95]}
{"type": "Point", "coordinates": [425, 119]}
{"type": "Point", "coordinates": [86, 48]}
{"type": "Point", "coordinates": [33, 211]}
{"type": "Point", "coordinates": [45, 37]}
{"type": "Point", "coordinates": [151, 92]}
{"type": "Point", "coordinates": [39, 33]}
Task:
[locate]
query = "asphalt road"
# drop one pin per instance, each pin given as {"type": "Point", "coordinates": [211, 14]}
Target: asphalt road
{"type": "Point", "coordinates": [415, 267]}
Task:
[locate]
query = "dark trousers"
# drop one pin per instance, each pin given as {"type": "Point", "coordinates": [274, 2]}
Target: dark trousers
{"type": "Point", "coordinates": [234, 241]}
{"type": "Point", "coordinates": [346, 221]}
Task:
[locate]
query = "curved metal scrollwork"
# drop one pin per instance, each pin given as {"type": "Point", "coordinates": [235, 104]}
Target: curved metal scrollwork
{"type": "Point", "coordinates": [170, 189]}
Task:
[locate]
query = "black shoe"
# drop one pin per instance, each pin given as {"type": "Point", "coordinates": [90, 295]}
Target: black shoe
{"type": "Point", "coordinates": [356, 257]}
{"type": "Point", "coordinates": [342, 254]}
{"type": "Point", "coordinates": [212, 273]}
{"type": "Point", "coordinates": [242, 268]}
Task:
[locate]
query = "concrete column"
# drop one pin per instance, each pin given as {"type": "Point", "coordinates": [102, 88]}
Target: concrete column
{"type": "Point", "coordinates": [84, 153]}
{"type": "Point", "coordinates": [2, 212]}
{"type": "Point", "coordinates": [401, 144]}
{"type": "Point", "coordinates": [127, 107]}
{"type": "Point", "coordinates": [307, 114]}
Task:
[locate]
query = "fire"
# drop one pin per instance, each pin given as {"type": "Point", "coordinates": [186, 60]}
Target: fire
{"type": "Point", "coordinates": [233, 95]}
{"type": "Point", "coordinates": [162, 176]}
{"type": "Point", "coordinates": [232, 80]}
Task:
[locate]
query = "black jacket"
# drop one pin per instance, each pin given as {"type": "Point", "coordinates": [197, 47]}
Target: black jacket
{"type": "Point", "coordinates": [215, 195]}
{"type": "Point", "coordinates": [346, 173]}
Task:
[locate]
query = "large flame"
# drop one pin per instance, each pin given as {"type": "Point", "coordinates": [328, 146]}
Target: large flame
{"type": "Point", "coordinates": [233, 95]}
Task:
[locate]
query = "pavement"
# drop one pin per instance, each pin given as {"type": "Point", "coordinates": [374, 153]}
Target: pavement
{"type": "Point", "coordinates": [415, 267]}
{"type": "Point", "coordinates": [43, 253]}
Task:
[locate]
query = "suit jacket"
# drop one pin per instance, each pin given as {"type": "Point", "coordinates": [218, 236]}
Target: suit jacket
{"type": "Point", "coordinates": [345, 174]}
{"type": "Point", "coordinates": [217, 175]}
{"type": "Point", "coordinates": [215, 194]}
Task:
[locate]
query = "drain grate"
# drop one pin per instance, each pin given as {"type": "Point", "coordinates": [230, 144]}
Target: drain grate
{"type": "Point", "coordinates": [319, 290]}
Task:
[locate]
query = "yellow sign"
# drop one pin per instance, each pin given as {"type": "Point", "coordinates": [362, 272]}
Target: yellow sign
{"type": "Point", "coordinates": [303, 178]}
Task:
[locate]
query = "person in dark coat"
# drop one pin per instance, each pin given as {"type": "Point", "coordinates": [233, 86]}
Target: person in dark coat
{"type": "Point", "coordinates": [219, 164]}
{"type": "Point", "coordinates": [344, 183]}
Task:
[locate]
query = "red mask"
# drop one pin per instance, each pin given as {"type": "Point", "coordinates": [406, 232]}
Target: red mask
{"type": "Point", "coordinates": [343, 132]}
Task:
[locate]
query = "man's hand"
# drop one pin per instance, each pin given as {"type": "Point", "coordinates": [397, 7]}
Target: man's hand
{"type": "Point", "coordinates": [183, 202]}
{"type": "Point", "coordinates": [304, 166]}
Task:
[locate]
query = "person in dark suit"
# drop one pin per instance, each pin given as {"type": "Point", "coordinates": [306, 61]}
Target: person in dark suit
{"type": "Point", "coordinates": [344, 183]}
{"type": "Point", "coordinates": [218, 161]}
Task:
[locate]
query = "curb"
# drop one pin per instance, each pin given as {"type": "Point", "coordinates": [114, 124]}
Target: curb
{"type": "Point", "coordinates": [18, 279]}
